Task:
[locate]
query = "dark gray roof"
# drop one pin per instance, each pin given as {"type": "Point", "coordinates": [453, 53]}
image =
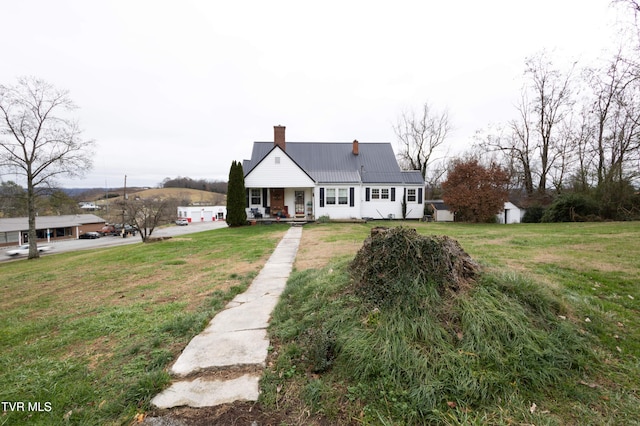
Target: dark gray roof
{"type": "Point", "coordinates": [330, 162]}
{"type": "Point", "coordinates": [412, 176]}
{"type": "Point", "coordinates": [437, 204]}
{"type": "Point", "coordinates": [43, 222]}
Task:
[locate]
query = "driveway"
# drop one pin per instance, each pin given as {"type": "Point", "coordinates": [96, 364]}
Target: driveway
{"type": "Point", "coordinates": [108, 241]}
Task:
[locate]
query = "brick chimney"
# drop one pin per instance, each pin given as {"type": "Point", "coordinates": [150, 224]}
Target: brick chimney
{"type": "Point", "coordinates": [278, 137]}
{"type": "Point", "coordinates": [355, 147]}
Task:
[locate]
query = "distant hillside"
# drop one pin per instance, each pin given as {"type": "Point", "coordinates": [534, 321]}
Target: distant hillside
{"type": "Point", "coordinates": [194, 196]}
{"type": "Point", "coordinates": [185, 196]}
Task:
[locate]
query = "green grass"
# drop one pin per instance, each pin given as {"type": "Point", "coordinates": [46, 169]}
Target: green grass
{"type": "Point", "coordinates": [91, 333]}
{"type": "Point", "coordinates": [552, 322]}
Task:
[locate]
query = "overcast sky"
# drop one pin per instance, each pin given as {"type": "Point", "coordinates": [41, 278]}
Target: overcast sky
{"type": "Point", "coordinates": [183, 88]}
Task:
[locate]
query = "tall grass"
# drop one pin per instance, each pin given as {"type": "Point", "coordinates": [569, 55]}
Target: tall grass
{"type": "Point", "coordinates": [509, 351]}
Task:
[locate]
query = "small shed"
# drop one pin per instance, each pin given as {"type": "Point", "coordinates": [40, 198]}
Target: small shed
{"type": "Point", "coordinates": [202, 213]}
{"type": "Point", "coordinates": [441, 212]}
{"type": "Point", "coordinates": [510, 214]}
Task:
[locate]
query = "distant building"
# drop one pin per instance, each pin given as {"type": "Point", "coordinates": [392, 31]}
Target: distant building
{"type": "Point", "coordinates": [441, 212]}
{"type": "Point", "coordinates": [511, 214]}
{"type": "Point", "coordinates": [202, 213]}
{"type": "Point", "coordinates": [89, 206]}
{"type": "Point", "coordinates": [14, 231]}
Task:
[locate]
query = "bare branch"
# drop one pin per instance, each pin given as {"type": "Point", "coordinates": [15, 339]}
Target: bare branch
{"type": "Point", "coordinates": [419, 136]}
{"type": "Point", "coordinates": [38, 140]}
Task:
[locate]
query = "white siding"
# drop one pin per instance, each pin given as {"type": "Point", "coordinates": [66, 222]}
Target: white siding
{"type": "Point", "coordinates": [382, 208]}
{"type": "Point", "coordinates": [510, 214]}
{"type": "Point", "coordinates": [443, 216]}
{"type": "Point", "coordinates": [338, 211]}
{"type": "Point", "coordinates": [415, 209]}
{"type": "Point", "coordinates": [202, 213]}
{"type": "Point", "coordinates": [277, 170]}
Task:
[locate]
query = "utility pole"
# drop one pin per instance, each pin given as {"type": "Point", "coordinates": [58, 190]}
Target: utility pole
{"type": "Point", "coordinates": [124, 207]}
{"type": "Point", "coordinates": [106, 197]}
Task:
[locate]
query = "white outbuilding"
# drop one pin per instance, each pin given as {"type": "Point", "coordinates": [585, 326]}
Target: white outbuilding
{"type": "Point", "coordinates": [510, 214]}
{"type": "Point", "coordinates": [202, 213]}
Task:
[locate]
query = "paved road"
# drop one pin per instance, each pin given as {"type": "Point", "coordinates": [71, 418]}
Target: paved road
{"type": "Point", "coordinates": [108, 241]}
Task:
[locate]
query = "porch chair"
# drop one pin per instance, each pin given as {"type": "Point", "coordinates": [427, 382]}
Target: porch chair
{"type": "Point", "coordinates": [255, 213]}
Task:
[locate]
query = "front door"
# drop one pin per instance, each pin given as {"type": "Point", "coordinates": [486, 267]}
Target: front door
{"type": "Point", "coordinates": [277, 200]}
{"type": "Point", "coordinates": [299, 195]}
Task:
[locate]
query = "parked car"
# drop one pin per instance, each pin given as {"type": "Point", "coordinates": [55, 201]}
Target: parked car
{"type": "Point", "coordinates": [182, 222]}
{"type": "Point", "coordinates": [116, 229]}
{"type": "Point", "coordinates": [24, 249]}
{"type": "Point", "coordinates": [91, 235]}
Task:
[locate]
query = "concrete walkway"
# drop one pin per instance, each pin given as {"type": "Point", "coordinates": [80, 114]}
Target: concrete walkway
{"type": "Point", "coordinates": [224, 363]}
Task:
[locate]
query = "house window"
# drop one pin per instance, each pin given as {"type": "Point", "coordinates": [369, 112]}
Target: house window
{"type": "Point", "coordinates": [331, 195]}
{"type": "Point", "coordinates": [256, 196]}
{"type": "Point", "coordinates": [343, 198]}
{"type": "Point", "coordinates": [411, 195]}
{"type": "Point", "coordinates": [337, 196]}
{"type": "Point", "coordinates": [377, 194]}
{"type": "Point", "coordinates": [277, 160]}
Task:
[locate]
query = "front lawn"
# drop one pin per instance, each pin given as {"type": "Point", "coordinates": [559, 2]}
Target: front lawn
{"type": "Point", "coordinates": [86, 337]}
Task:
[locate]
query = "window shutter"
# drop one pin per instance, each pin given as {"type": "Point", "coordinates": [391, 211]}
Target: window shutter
{"type": "Point", "coordinates": [352, 202]}
{"type": "Point", "coordinates": [367, 194]}
{"type": "Point", "coordinates": [321, 197]}
{"type": "Point", "coordinates": [264, 197]}
{"type": "Point", "coordinates": [247, 196]}
{"type": "Point", "coordinates": [419, 195]}
{"type": "Point", "coordinates": [393, 194]}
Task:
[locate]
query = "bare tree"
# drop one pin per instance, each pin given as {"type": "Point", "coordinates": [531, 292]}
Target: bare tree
{"type": "Point", "coordinates": [551, 102]}
{"type": "Point", "coordinates": [634, 6]}
{"type": "Point", "coordinates": [579, 131]}
{"type": "Point", "coordinates": [38, 140]}
{"type": "Point", "coordinates": [147, 214]}
{"type": "Point", "coordinates": [614, 110]}
{"type": "Point", "coordinates": [419, 136]}
{"type": "Point", "coordinates": [521, 147]}
{"type": "Point", "coordinates": [515, 142]}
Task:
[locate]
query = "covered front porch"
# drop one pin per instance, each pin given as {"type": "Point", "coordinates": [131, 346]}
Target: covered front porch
{"type": "Point", "coordinates": [280, 203]}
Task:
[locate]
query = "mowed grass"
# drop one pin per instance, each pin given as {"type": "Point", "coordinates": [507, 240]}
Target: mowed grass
{"type": "Point", "coordinates": [549, 335]}
{"type": "Point", "coordinates": [86, 337]}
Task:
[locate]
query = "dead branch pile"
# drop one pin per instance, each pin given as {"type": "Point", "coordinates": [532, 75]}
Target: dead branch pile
{"type": "Point", "coordinates": [397, 261]}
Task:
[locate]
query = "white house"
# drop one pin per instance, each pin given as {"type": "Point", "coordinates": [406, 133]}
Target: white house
{"type": "Point", "coordinates": [350, 180]}
{"type": "Point", "coordinates": [202, 213]}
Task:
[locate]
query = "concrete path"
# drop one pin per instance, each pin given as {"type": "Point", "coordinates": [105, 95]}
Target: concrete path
{"type": "Point", "coordinates": [224, 363]}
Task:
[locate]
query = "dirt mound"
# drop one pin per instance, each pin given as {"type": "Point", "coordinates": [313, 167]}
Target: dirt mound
{"type": "Point", "coordinates": [395, 263]}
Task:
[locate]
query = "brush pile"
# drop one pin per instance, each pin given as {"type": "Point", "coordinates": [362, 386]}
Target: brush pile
{"type": "Point", "coordinates": [393, 263]}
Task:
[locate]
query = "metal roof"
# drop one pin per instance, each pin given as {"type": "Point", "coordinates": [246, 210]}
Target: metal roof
{"type": "Point", "coordinates": [412, 176]}
{"type": "Point", "coordinates": [437, 204]}
{"type": "Point", "coordinates": [13, 224]}
{"type": "Point", "coordinates": [334, 162]}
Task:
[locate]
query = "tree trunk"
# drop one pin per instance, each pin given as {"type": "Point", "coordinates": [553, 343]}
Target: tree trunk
{"type": "Point", "coordinates": [31, 208]}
